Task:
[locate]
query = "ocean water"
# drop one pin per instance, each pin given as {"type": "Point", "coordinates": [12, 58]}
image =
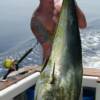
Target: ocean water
{"type": "Point", "coordinates": [16, 36]}
{"type": "Point", "coordinates": [15, 17]}
{"type": "Point", "coordinates": [35, 57]}
{"type": "Point", "coordinates": [91, 35]}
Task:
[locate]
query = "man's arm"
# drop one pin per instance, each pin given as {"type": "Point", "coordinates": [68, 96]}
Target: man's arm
{"type": "Point", "coordinates": [81, 18]}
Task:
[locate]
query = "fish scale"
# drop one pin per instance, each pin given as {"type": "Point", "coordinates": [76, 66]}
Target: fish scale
{"type": "Point", "coordinates": [61, 77]}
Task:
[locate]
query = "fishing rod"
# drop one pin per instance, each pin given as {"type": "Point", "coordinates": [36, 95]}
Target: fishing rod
{"type": "Point", "coordinates": [17, 62]}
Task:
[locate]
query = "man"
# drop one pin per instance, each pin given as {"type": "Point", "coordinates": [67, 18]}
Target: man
{"type": "Point", "coordinates": [48, 14]}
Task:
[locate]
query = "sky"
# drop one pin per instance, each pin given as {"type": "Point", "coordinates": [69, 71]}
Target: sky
{"type": "Point", "coordinates": [15, 16]}
{"type": "Point", "coordinates": [90, 8]}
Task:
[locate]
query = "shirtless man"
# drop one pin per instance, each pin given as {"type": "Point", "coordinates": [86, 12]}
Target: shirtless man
{"type": "Point", "coordinates": [47, 14]}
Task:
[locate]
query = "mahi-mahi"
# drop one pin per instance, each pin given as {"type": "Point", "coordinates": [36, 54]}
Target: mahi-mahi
{"type": "Point", "coordinates": [61, 76]}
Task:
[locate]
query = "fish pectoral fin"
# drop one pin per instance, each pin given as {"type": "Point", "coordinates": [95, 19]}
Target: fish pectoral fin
{"type": "Point", "coordinates": [52, 79]}
{"type": "Point", "coordinates": [44, 64]}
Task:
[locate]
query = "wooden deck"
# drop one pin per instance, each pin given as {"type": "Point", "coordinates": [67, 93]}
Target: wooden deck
{"type": "Point", "coordinates": [16, 76]}
{"type": "Point", "coordinates": [92, 72]}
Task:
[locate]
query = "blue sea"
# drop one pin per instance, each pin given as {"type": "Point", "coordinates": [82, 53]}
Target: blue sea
{"type": "Point", "coordinates": [16, 36]}
{"type": "Point", "coordinates": [91, 35]}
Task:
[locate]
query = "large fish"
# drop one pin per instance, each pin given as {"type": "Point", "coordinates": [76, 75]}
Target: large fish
{"type": "Point", "coordinates": [61, 76]}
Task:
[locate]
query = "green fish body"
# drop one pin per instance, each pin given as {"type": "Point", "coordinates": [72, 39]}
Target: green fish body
{"type": "Point", "coordinates": [62, 76]}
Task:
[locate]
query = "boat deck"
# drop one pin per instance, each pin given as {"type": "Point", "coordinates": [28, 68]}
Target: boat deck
{"type": "Point", "coordinates": [16, 76]}
{"type": "Point", "coordinates": [93, 72]}
{"type": "Point", "coordinates": [24, 72]}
